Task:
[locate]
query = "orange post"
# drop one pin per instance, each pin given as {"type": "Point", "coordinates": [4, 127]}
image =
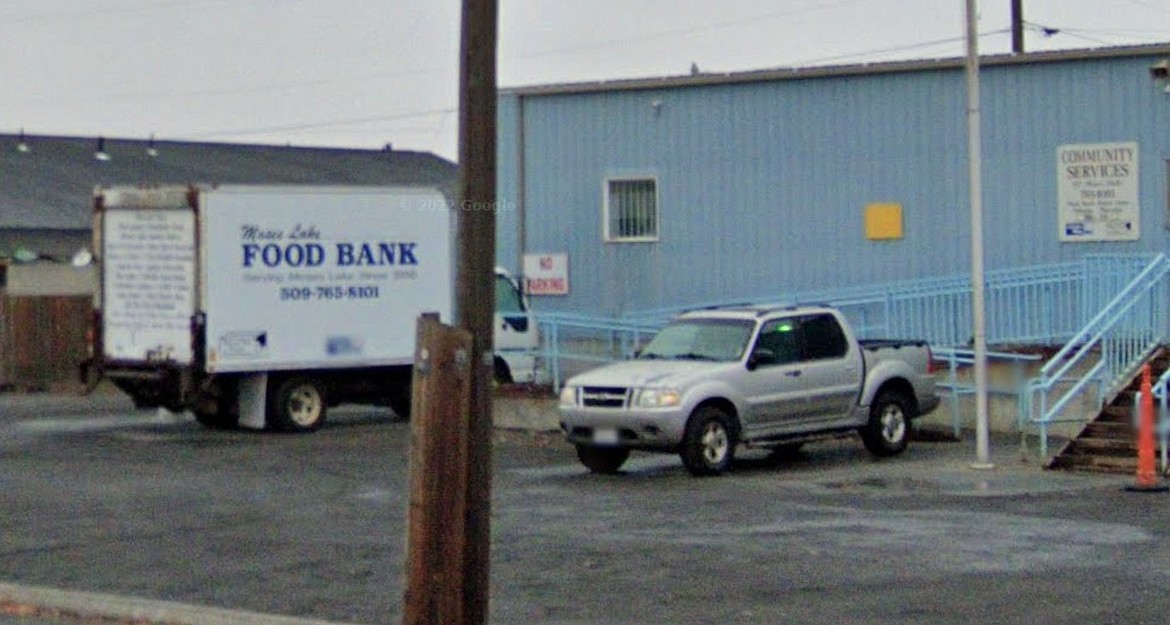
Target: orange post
{"type": "Point", "coordinates": [1147, 476]}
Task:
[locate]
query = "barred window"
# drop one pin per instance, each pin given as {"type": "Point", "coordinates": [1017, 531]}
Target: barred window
{"type": "Point", "coordinates": [631, 207]}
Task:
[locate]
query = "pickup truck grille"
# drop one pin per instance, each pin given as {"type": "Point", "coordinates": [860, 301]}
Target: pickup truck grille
{"type": "Point", "coordinates": [604, 396]}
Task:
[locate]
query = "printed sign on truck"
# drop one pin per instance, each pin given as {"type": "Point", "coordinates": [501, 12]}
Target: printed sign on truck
{"type": "Point", "coordinates": [303, 278]}
{"type": "Point", "coordinates": [148, 284]}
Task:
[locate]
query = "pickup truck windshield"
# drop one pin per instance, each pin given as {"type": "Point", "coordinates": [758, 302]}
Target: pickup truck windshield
{"type": "Point", "coordinates": [718, 340]}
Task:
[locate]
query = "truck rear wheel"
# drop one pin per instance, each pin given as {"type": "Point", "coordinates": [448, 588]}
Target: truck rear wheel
{"type": "Point", "coordinates": [501, 374]}
{"type": "Point", "coordinates": [214, 418]}
{"type": "Point", "coordinates": [298, 405]}
{"type": "Point", "coordinates": [709, 442]}
{"type": "Point", "coordinates": [602, 459]}
{"type": "Point", "coordinates": [400, 399]}
{"type": "Point", "coordinates": [888, 430]}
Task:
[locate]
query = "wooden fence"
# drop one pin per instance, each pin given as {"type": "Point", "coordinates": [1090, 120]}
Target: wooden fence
{"type": "Point", "coordinates": [42, 340]}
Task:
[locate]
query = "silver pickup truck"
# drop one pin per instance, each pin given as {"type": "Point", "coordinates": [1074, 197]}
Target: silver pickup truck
{"type": "Point", "coordinates": [764, 377]}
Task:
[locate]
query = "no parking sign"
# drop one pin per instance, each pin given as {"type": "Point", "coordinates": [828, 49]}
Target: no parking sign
{"type": "Point", "coordinates": [546, 274]}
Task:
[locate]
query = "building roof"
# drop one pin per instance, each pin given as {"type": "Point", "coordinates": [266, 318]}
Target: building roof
{"type": "Point", "coordinates": [50, 186]}
{"type": "Point", "coordinates": [701, 79]}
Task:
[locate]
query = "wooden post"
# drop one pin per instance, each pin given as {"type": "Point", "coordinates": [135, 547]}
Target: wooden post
{"type": "Point", "coordinates": [1017, 26]}
{"type": "Point", "coordinates": [436, 532]}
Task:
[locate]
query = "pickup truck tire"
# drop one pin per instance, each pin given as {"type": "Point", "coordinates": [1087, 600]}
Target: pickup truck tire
{"type": "Point", "coordinates": [708, 446]}
{"type": "Point", "coordinates": [786, 452]}
{"type": "Point", "coordinates": [602, 459]}
{"type": "Point", "coordinates": [888, 429]}
{"type": "Point", "coordinates": [298, 405]}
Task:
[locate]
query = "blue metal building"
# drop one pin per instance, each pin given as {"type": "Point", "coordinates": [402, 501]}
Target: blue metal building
{"type": "Point", "coordinates": [675, 190]}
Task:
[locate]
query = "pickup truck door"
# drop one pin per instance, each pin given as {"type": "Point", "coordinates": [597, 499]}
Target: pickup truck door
{"type": "Point", "coordinates": [807, 373]}
{"type": "Point", "coordinates": [832, 369]}
{"type": "Point", "coordinates": [775, 384]}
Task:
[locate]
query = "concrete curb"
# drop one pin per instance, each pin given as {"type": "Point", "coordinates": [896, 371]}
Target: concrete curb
{"type": "Point", "coordinates": [139, 611]}
{"type": "Point", "coordinates": [538, 414]}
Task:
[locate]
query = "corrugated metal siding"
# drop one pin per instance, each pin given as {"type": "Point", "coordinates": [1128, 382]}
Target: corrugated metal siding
{"type": "Point", "coordinates": [762, 186]}
{"type": "Point", "coordinates": [507, 183]}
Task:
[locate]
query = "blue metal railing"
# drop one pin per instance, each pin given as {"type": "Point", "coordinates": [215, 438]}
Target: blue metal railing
{"type": "Point", "coordinates": [570, 343]}
{"type": "Point", "coordinates": [1107, 351]}
{"type": "Point", "coordinates": [1027, 305]}
{"type": "Point", "coordinates": [1102, 304]}
{"type": "Point", "coordinates": [955, 388]}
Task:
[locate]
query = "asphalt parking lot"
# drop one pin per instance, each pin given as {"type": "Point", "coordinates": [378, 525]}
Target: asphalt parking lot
{"type": "Point", "coordinates": [146, 506]}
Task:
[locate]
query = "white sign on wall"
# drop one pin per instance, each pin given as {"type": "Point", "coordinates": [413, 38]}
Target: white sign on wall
{"type": "Point", "coordinates": [1097, 192]}
{"type": "Point", "coordinates": [546, 274]}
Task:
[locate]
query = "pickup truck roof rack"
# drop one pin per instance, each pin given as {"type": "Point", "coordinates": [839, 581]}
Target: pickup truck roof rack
{"type": "Point", "coordinates": [760, 309]}
{"type": "Point", "coordinates": [763, 310]}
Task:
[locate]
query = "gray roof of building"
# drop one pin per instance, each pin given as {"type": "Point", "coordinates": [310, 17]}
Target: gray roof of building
{"type": "Point", "coordinates": [704, 79]}
{"type": "Point", "coordinates": [51, 185]}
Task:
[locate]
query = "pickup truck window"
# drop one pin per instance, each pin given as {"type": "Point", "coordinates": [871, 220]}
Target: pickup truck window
{"type": "Point", "coordinates": [720, 340]}
{"type": "Point", "coordinates": [823, 338]}
{"type": "Point", "coordinates": [800, 339]}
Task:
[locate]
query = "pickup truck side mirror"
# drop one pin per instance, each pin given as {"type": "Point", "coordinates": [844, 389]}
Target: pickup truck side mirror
{"type": "Point", "coordinates": [760, 356]}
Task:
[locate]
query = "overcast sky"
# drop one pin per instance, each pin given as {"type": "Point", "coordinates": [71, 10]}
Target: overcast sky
{"type": "Point", "coordinates": [362, 73]}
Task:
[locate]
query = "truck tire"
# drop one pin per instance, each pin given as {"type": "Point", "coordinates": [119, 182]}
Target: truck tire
{"type": "Point", "coordinates": [501, 374]}
{"type": "Point", "coordinates": [708, 446]}
{"type": "Point", "coordinates": [298, 405]}
{"type": "Point", "coordinates": [786, 452]}
{"type": "Point", "coordinates": [216, 419]}
{"type": "Point", "coordinates": [605, 460]}
{"type": "Point", "coordinates": [888, 430]}
{"type": "Point", "coordinates": [400, 400]}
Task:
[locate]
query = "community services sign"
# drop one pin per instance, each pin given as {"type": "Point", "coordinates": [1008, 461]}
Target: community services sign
{"type": "Point", "coordinates": [1097, 192]}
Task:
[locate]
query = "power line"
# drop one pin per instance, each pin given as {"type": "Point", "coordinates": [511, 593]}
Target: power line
{"type": "Point", "coordinates": [128, 9]}
{"type": "Point", "coordinates": [355, 121]}
{"type": "Point", "coordinates": [688, 31]}
{"type": "Point", "coordinates": [895, 49]}
{"type": "Point", "coordinates": [1142, 3]}
{"type": "Point", "coordinates": [92, 98]}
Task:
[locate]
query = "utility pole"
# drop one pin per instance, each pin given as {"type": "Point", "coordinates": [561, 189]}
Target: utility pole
{"type": "Point", "coordinates": [975, 163]}
{"type": "Point", "coordinates": [475, 295]}
{"type": "Point", "coordinates": [449, 522]}
{"type": "Point", "coordinates": [1017, 26]}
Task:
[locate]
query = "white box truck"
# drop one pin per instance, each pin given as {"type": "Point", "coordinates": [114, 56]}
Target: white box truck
{"type": "Point", "coordinates": [261, 306]}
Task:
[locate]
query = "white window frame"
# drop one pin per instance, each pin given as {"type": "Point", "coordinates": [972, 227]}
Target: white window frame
{"type": "Point", "coordinates": [611, 237]}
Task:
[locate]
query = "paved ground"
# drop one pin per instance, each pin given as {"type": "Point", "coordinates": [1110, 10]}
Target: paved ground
{"type": "Point", "coordinates": [132, 514]}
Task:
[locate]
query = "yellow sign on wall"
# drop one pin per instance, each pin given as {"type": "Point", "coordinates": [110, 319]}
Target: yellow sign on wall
{"type": "Point", "coordinates": [883, 220]}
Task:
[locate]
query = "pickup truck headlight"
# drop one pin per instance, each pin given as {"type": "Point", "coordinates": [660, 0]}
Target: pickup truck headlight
{"type": "Point", "coordinates": [658, 398]}
{"type": "Point", "coordinates": [569, 396]}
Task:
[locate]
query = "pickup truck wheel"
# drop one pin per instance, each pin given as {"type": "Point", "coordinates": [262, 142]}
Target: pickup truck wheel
{"type": "Point", "coordinates": [709, 442]}
{"type": "Point", "coordinates": [298, 405]}
{"type": "Point", "coordinates": [784, 453]}
{"type": "Point", "coordinates": [602, 459]}
{"type": "Point", "coordinates": [888, 429]}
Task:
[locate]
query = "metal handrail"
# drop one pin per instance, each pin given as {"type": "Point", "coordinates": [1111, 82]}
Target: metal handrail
{"type": "Point", "coordinates": [956, 357]}
{"type": "Point", "coordinates": [1122, 335]}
